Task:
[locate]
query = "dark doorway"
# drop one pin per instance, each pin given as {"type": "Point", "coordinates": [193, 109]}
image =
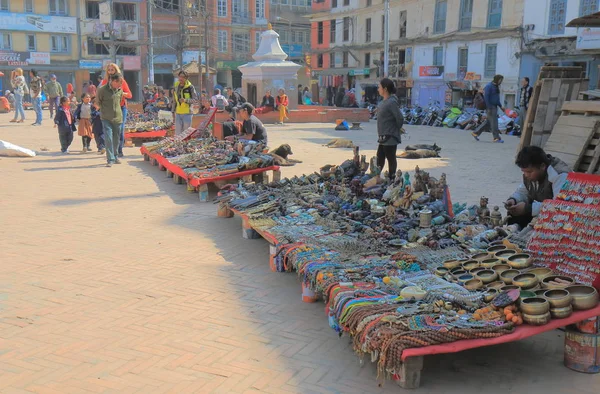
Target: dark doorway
{"type": "Point", "coordinates": [251, 92]}
{"type": "Point", "coordinates": [236, 79]}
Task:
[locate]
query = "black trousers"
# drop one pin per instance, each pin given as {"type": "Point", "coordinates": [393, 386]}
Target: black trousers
{"type": "Point", "coordinates": [86, 141]}
{"type": "Point", "coordinates": [65, 136]}
{"type": "Point", "coordinates": [387, 152]}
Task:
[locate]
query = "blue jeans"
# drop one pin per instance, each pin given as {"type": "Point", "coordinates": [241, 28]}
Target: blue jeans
{"type": "Point", "coordinates": [111, 139]}
{"type": "Point", "coordinates": [37, 107]}
{"type": "Point", "coordinates": [122, 132]}
{"type": "Point", "coordinates": [182, 122]}
{"type": "Point", "coordinates": [19, 106]}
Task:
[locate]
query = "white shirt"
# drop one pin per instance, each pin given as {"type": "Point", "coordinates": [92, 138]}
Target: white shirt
{"type": "Point", "coordinates": [219, 96]}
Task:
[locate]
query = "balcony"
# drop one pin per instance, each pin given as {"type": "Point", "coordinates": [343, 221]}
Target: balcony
{"type": "Point", "coordinates": [242, 18]}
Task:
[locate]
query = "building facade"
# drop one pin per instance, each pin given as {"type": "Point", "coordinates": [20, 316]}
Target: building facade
{"type": "Point", "coordinates": [547, 40]}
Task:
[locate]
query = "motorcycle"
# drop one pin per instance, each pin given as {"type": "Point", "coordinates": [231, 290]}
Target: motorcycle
{"type": "Point", "coordinates": [465, 118]}
{"type": "Point", "coordinates": [416, 114]}
{"type": "Point", "coordinates": [440, 116]}
{"type": "Point", "coordinates": [452, 117]}
{"type": "Point", "coordinates": [430, 114]}
{"type": "Point", "coordinates": [475, 121]}
{"type": "Point", "coordinates": [372, 111]}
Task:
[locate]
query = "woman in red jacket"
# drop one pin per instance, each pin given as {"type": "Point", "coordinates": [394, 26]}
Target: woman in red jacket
{"type": "Point", "coordinates": [111, 69]}
{"type": "Point", "coordinates": [282, 103]}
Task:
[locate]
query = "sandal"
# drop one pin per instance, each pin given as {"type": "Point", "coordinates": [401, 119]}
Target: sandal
{"type": "Point", "coordinates": [13, 121]}
{"type": "Point", "coordinates": [21, 121]}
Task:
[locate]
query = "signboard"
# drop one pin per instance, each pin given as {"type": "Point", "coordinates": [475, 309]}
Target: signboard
{"type": "Point", "coordinates": [228, 65]}
{"type": "Point", "coordinates": [471, 76]}
{"type": "Point", "coordinates": [39, 58]}
{"type": "Point", "coordinates": [431, 71]}
{"type": "Point", "coordinates": [189, 56]}
{"type": "Point", "coordinates": [588, 38]}
{"type": "Point", "coordinates": [360, 71]}
{"type": "Point", "coordinates": [90, 64]}
{"type": "Point", "coordinates": [165, 59]}
{"type": "Point", "coordinates": [14, 58]}
{"type": "Point", "coordinates": [132, 63]}
{"type": "Point", "coordinates": [40, 23]}
{"type": "Point", "coordinates": [293, 50]}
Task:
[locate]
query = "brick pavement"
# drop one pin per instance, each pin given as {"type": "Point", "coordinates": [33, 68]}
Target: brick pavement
{"type": "Point", "coordinates": [118, 281]}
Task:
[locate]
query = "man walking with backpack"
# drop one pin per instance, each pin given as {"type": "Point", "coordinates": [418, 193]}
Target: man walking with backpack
{"type": "Point", "coordinates": [491, 94]}
{"type": "Point", "coordinates": [219, 101]}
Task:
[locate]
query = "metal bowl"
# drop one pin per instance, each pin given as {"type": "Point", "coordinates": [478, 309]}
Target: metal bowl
{"type": "Point", "coordinates": [490, 262]}
{"type": "Point", "coordinates": [470, 264]}
{"type": "Point", "coordinates": [490, 294]}
{"type": "Point", "coordinates": [487, 276]}
{"type": "Point", "coordinates": [540, 272]}
{"type": "Point", "coordinates": [458, 273]}
{"type": "Point", "coordinates": [558, 298]}
{"type": "Point", "coordinates": [462, 279]}
{"type": "Point", "coordinates": [474, 271]}
{"type": "Point", "coordinates": [473, 284]}
{"type": "Point", "coordinates": [540, 293]}
{"type": "Point", "coordinates": [450, 264]}
{"type": "Point", "coordinates": [480, 256]}
{"type": "Point", "coordinates": [496, 285]}
{"type": "Point", "coordinates": [536, 320]}
{"type": "Point", "coordinates": [525, 281]}
{"type": "Point", "coordinates": [510, 287]}
{"type": "Point", "coordinates": [441, 271]}
{"type": "Point", "coordinates": [535, 306]}
{"type": "Point", "coordinates": [561, 313]}
{"type": "Point", "coordinates": [584, 297]}
{"type": "Point", "coordinates": [496, 248]}
{"type": "Point", "coordinates": [500, 268]}
{"type": "Point", "coordinates": [508, 275]}
{"type": "Point", "coordinates": [503, 255]}
{"type": "Point", "coordinates": [519, 260]}
{"type": "Point", "coordinates": [546, 282]}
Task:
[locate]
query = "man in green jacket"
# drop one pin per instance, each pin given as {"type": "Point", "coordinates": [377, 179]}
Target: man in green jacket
{"type": "Point", "coordinates": [108, 101]}
{"type": "Point", "coordinates": [54, 92]}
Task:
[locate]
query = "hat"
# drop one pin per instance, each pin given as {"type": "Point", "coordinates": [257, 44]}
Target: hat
{"type": "Point", "coordinates": [248, 107]}
{"type": "Point", "coordinates": [52, 76]}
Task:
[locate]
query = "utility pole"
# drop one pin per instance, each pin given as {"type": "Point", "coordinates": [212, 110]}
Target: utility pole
{"type": "Point", "coordinates": [182, 37]}
{"type": "Point", "coordinates": [149, 5]}
{"type": "Point", "coordinates": [386, 40]}
{"type": "Point", "coordinates": [113, 46]}
{"type": "Point", "coordinates": [206, 43]}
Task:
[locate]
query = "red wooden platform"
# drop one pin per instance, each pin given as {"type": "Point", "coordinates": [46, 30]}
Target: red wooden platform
{"type": "Point", "coordinates": [147, 134]}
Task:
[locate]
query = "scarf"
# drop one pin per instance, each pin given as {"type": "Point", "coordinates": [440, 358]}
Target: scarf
{"type": "Point", "coordinates": [67, 110]}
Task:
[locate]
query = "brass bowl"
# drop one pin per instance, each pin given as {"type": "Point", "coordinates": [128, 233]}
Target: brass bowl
{"type": "Point", "coordinates": [546, 282]}
{"type": "Point", "coordinates": [450, 264]}
{"type": "Point", "coordinates": [490, 263]}
{"type": "Point", "coordinates": [540, 272]}
{"type": "Point", "coordinates": [458, 273]}
{"type": "Point", "coordinates": [536, 320]}
{"type": "Point", "coordinates": [584, 297]}
{"type": "Point", "coordinates": [462, 279]}
{"type": "Point", "coordinates": [473, 284]}
{"type": "Point", "coordinates": [499, 242]}
{"type": "Point", "coordinates": [470, 264]}
{"type": "Point", "coordinates": [500, 268]}
{"type": "Point", "coordinates": [480, 256]}
{"type": "Point", "coordinates": [490, 294]}
{"type": "Point", "coordinates": [558, 298]}
{"type": "Point", "coordinates": [487, 276]}
{"type": "Point", "coordinates": [508, 275]}
{"type": "Point", "coordinates": [503, 255]}
{"type": "Point", "coordinates": [519, 261]}
{"type": "Point", "coordinates": [474, 271]}
{"type": "Point", "coordinates": [495, 285]}
{"type": "Point", "coordinates": [496, 248]}
{"type": "Point", "coordinates": [525, 281]}
{"type": "Point", "coordinates": [561, 313]}
{"type": "Point", "coordinates": [540, 293]}
{"type": "Point", "coordinates": [510, 287]}
{"type": "Point", "coordinates": [525, 294]}
{"type": "Point", "coordinates": [535, 306]}
{"type": "Point", "coordinates": [441, 271]}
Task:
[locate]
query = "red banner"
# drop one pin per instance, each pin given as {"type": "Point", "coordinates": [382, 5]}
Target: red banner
{"type": "Point", "coordinates": [431, 71]}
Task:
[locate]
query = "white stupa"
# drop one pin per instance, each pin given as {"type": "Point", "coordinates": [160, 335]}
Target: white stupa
{"type": "Point", "coordinates": [270, 70]}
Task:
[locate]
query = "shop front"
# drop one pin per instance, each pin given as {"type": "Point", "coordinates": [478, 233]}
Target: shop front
{"type": "Point", "coordinates": [430, 87]}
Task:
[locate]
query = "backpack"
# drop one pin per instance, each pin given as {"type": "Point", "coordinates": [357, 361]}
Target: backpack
{"type": "Point", "coordinates": [479, 102]}
{"type": "Point", "coordinates": [220, 104]}
{"type": "Point", "coordinates": [240, 98]}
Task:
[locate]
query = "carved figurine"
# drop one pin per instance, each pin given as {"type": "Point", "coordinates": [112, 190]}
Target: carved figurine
{"type": "Point", "coordinates": [496, 217]}
{"type": "Point", "coordinates": [483, 212]}
{"type": "Point", "coordinates": [406, 199]}
{"type": "Point", "coordinates": [419, 185]}
{"type": "Point", "coordinates": [373, 167]}
{"type": "Point", "coordinates": [398, 180]}
{"type": "Point", "coordinates": [437, 188]}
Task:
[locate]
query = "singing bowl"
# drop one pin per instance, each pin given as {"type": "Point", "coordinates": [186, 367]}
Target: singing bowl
{"type": "Point", "coordinates": [510, 287]}
{"type": "Point", "coordinates": [558, 298]}
{"type": "Point", "coordinates": [536, 320]}
{"type": "Point", "coordinates": [474, 271]}
{"type": "Point", "coordinates": [450, 264]}
{"type": "Point", "coordinates": [503, 255]}
{"type": "Point", "coordinates": [540, 272]}
{"type": "Point", "coordinates": [496, 285]}
{"type": "Point", "coordinates": [470, 264]}
{"type": "Point", "coordinates": [561, 313]}
{"type": "Point", "coordinates": [508, 275]}
{"type": "Point", "coordinates": [490, 294]}
{"type": "Point", "coordinates": [546, 282]}
{"type": "Point", "coordinates": [480, 256]}
{"type": "Point", "coordinates": [500, 268]}
{"type": "Point", "coordinates": [535, 306]}
{"type": "Point", "coordinates": [493, 249]}
{"type": "Point", "coordinates": [519, 260]}
{"type": "Point", "coordinates": [487, 276]}
{"type": "Point", "coordinates": [441, 271]}
{"type": "Point", "coordinates": [490, 263]}
{"type": "Point", "coordinates": [473, 284]}
{"type": "Point", "coordinates": [540, 293]}
{"type": "Point", "coordinates": [584, 297]}
{"type": "Point", "coordinates": [462, 279]}
{"type": "Point", "coordinates": [525, 281]}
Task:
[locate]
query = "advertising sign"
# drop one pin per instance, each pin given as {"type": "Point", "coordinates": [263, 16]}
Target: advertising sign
{"type": "Point", "coordinates": [189, 56]}
{"type": "Point", "coordinates": [40, 23]}
{"type": "Point", "coordinates": [39, 58]}
{"type": "Point", "coordinates": [14, 58]}
{"type": "Point", "coordinates": [588, 38]}
{"type": "Point", "coordinates": [360, 71]}
{"type": "Point", "coordinates": [431, 71]}
{"type": "Point", "coordinates": [132, 63]}
{"type": "Point", "coordinates": [471, 76]}
{"type": "Point", "coordinates": [293, 50]}
{"type": "Point", "coordinates": [90, 64]}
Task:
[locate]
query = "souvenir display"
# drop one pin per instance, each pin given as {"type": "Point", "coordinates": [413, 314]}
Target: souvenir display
{"type": "Point", "coordinates": [137, 122]}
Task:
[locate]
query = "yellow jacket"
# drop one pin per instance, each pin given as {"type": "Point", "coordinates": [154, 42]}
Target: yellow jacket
{"type": "Point", "coordinates": [186, 92]}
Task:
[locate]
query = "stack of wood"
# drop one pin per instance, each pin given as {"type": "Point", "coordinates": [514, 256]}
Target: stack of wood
{"type": "Point", "coordinates": [575, 138]}
{"type": "Point", "coordinates": [554, 86]}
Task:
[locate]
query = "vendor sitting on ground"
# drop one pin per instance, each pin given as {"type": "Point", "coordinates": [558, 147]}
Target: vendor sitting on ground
{"type": "Point", "coordinates": [543, 177]}
{"type": "Point", "coordinates": [163, 103]}
{"type": "Point", "coordinates": [252, 128]}
{"type": "Point", "coordinates": [267, 104]}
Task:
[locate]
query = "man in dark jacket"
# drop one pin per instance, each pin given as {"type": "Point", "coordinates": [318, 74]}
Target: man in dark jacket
{"type": "Point", "coordinates": [543, 177]}
{"type": "Point", "coordinates": [491, 94]}
{"type": "Point", "coordinates": [234, 98]}
{"type": "Point", "coordinates": [524, 97]}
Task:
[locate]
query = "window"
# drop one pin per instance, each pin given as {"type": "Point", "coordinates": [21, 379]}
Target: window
{"type": "Point", "coordinates": [367, 59]}
{"type": "Point", "coordinates": [59, 43]}
{"type": "Point", "coordinates": [345, 59]}
{"type": "Point", "coordinates": [346, 2]}
{"type": "Point", "coordinates": [260, 9]}
{"type": "Point", "coordinates": [101, 49]}
{"type": "Point", "coordinates": [332, 30]}
{"type": "Point", "coordinates": [222, 41]}
{"type": "Point", "coordinates": [320, 60]}
{"type": "Point", "coordinates": [402, 21]}
{"type": "Point", "coordinates": [284, 36]}
{"type": "Point", "coordinates": [4, 6]}
{"type": "Point", "coordinates": [169, 5]}
{"type": "Point", "coordinates": [558, 10]}
{"type": "Point", "coordinates": [332, 59]}
{"type": "Point", "coordinates": [587, 7]}
{"type": "Point", "coordinates": [92, 10]}
{"type": "Point", "coordinates": [31, 44]}
{"type": "Point", "coordinates": [333, 3]}
{"type": "Point", "coordinates": [494, 14]}
{"type": "Point", "coordinates": [490, 60]}
{"type": "Point", "coordinates": [369, 3]}
{"type": "Point", "coordinates": [241, 43]}
{"type": "Point", "coordinates": [257, 39]}
{"type": "Point", "coordinates": [439, 24]}
{"type": "Point", "coordinates": [368, 30]}
{"type": "Point", "coordinates": [346, 29]}
{"type": "Point", "coordinates": [124, 11]}
{"type": "Point", "coordinates": [438, 56]}
{"type": "Point", "coordinates": [466, 14]}
{"type": "Point", "coordinates": [382, 27]}
{"type": "Point", "coordinates": [58, 7]}
{"type": "Point", "coordinates": [221, 8]}
{"type": "Point", "coordinates": [463, 62]}
{"type": "Point", "coordinates": [5, 41]}
{"type": "Point", "coordinates": [319, 32]}
{"type": "Point", "coordinates": [28, 6]}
